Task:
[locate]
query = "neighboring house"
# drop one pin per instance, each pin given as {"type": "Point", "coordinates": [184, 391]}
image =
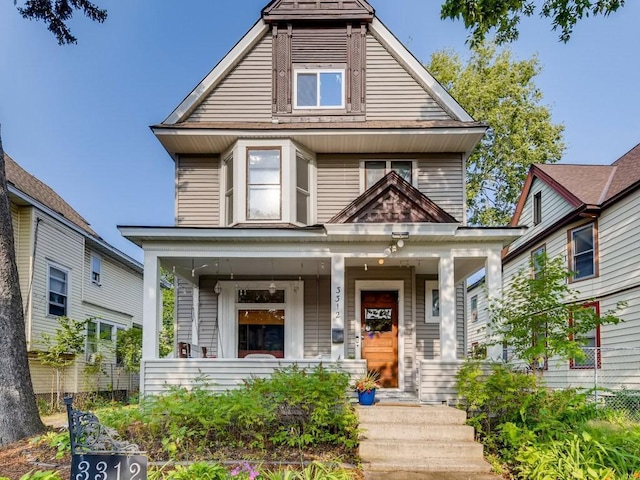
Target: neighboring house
{"type": "Point", "coordinates": [66, 269]}
{"type": "Point", "coordinates": [320, 210]}
{"type": "Point", "coordinates": [589, 215]}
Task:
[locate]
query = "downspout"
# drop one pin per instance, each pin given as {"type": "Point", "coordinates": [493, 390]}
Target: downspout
{"type": "Point", "coordinates": [32, 261]}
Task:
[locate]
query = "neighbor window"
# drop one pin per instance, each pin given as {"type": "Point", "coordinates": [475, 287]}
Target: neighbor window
{"type": "Point", "coordinates": [319, 89]}
{"type": "Point", "coordinates": [58, 291]}
{"type": "Point", "coordinates": [375, 170]}
{"type": "Point", "coordinates": [582, 244]}
{"type": "Point", "coordinates": [263, 184]}
{"type": "Point", "coordinates": [101, 338]}
{"type": "Point", "coordinates": [96, 269]}
{"type": "Point", "coordinates": [537, 260]}
{"type": "Point", "coordinates": [474, 308]}
{"type": "Point", "coordinates": [590, 343]}
{"type": "Point", "coordinates": [537, 208]}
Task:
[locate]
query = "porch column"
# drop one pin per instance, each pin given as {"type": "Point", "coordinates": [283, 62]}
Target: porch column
{"type": "Point", "coordinates": [493, 282]}
{"type": "Point", "coordinates": [337, 308]}
{"type": "Point", "coordinates": [151, 308]}
{"type": "Point", "coordinates": [448, 347]}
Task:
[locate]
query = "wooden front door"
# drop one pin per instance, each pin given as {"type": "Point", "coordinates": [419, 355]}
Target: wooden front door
{"type": "Point", "coordinates": [379, 334]}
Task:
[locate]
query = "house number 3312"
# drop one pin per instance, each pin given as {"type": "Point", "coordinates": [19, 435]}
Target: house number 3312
{"type": "Point", "coordinates": [109, 467]}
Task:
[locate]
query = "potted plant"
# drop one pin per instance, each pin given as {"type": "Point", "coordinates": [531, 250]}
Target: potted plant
{"type": "Point", "coordinates": [366, 386]}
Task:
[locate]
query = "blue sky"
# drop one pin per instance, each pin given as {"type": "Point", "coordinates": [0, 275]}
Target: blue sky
{"type": "Point", "coordinates": [77, 117]}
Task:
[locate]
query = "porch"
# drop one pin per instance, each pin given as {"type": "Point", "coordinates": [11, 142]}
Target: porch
{"type": "Point", "coordinates": [299, 294]}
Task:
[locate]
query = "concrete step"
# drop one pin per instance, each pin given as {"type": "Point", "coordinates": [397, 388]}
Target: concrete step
{"type": "Point", "coordinates": [400, 475]}
{"type": "Point", "coordinates": [428, 467]}
{"type": "Point", "coordinates": [417, 432]}
{"type": "Point", "coordinates": [408, 450]}
{"type": "Point", "coordinates": [412, 415]}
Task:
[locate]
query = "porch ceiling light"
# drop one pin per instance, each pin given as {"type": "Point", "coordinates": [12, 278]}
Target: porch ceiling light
{"type": "Point", "coordinates": [217, 288]}
{"type": "Point", "coordinates": [272, 288]}
{"type": "Point", "coordinates": [399, 235]}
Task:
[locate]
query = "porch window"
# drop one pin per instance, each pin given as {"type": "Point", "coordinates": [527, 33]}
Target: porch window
{"type": "Point", "coordinates": [432, 301]}
{"type": "Point", "coordinates": [263, 184]}
{"type": "Point", "coordinates": [58, 291]}
{"type": "Point", "coordinates": [317, 89]}
{"type": "Point", "coordinates": [261, 322]}
{"type": "Point", "coordinates": [583, 248]}
{"type": "Point", "coordinates": [375, 170]}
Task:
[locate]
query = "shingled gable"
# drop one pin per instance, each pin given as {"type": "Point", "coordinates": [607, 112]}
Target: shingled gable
{"type": "Point", "coordinates": [392, 200]}
{"type": "Point", "coordinates": [310, 10]}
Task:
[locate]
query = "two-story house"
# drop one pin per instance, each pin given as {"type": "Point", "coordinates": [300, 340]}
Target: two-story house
{"type": "Point", "coordinates": [320, 210]}
{"type": "Point", "coordinates": [66, 269]}
{"type": "Point", "coordinates": [588, 214]}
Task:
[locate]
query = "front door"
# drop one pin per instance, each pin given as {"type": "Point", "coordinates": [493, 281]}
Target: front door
{"type": "Point", "coordinates": [379, 333]}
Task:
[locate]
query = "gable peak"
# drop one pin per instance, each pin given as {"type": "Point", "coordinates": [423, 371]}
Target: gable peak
{"type": "Point", "coordinates": [318, 10]}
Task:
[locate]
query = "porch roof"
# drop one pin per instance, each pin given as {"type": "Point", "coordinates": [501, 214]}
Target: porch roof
{"type": "Point", "coordinates": [329, 233]}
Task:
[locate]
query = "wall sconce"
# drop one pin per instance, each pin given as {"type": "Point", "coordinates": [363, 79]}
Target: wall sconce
{"type": "Point", "coordinates": [381, 261]}
{"type": "Point", "coordinates": [217, 288]}
{"type": "Point", "coordinates": [272, 288]}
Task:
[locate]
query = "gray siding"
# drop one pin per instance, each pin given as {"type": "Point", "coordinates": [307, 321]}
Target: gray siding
{"type": "Point", "coordinates": [198, 191]}
{"type": "Point", "coordinates": [317, 317]}
{"type": "Point", "coordinates": [441, 178]}
{"type": "Point", "coordinates": [184, 308]}
{"type": "Point", "coordinates": [208, 326]}
{"type": "Point", "coordinates": [392, 93]}
{"type": "Point", "coordinates": [244, 95]}
{"type": "Point", "coordinates": [427, 334]}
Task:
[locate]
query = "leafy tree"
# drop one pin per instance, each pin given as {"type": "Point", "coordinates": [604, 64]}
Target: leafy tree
{"type": "Point", "coordinates": [540, 316]}
{"type": "Point", "coordinates": [60, 350]}
{"type": "Point", "coordinates": [500, 91]}
{"type": "Point", "coordinates": [168, 303]}
{"type": "Point", "coordinates": [481, 16]}
{"type": "Point", "coordinates": [57, 13]}
{"type": "Point", "coordinates": [18, 410]}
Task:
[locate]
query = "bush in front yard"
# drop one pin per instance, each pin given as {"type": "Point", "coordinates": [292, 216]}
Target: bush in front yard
{"type": "Point", "coordinates": [295, 408]}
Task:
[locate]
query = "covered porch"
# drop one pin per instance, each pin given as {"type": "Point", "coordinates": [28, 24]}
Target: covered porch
{"type": "Point", "coordinates": [261, 298]}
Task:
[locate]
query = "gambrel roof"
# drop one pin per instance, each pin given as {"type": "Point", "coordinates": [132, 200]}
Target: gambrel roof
{"type": "Point", "coordinates": [310, 10]}
{"type": "Point", "coordinates": [392, 200]}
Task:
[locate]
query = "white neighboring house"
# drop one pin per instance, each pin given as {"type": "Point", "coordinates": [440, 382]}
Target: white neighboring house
{"type": "Point", "coordinates": [65, 268]}
{"type": "Point", "coordinates": [589, 215]}
{"type": "Point", "coordinates": [320, 210]}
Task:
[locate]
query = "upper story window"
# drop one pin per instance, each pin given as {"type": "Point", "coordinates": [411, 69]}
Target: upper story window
{"type": "Point", "coordinates": [376, 169]}
{"type": "Point", "coordinates": [583, 251]}
{"type": "Point", "coordinates": [58, 291]}
{"type": "Point", "coordinates": [96, 270]}
{"type": "Point", "coordinates": [263, 184]}
{"type": "Point", "coordinates": [267, 181]}
{"type": "Point", "coordinates": [318, 89]}
{"type": "Point", "coordinates": [537, 261]}
{"type": "Point", "coordinates": [537, 208]}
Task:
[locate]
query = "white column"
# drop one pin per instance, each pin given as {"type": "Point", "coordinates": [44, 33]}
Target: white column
{"type": "Point", "coordinates": [493, 283]}
{"type": "Point", "coordinates": [337, 306]}
{"type": "Point", "coordinates": [448, 346]}
{"type": "Point", "coordinates": [151, 311]}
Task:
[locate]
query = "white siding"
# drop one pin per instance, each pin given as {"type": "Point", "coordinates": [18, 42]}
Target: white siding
{"type": "Point", "coordinates": [244, 95]}
{"type": "Point", "coordinates": [223, 374]}
{"type": "Point", "coordinates": [392, 93]}
{"type": "Point", "coordinates": [197, 191]}
{"type": "Point", "coordinates": [476, 329]}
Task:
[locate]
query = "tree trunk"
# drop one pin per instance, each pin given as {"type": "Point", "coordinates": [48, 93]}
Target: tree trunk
{"type": "Point", "coordinates": [19, 416]}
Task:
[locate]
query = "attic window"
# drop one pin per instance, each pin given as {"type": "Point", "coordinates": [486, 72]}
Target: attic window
{"type": "Point", "coordinates": [316, 89]}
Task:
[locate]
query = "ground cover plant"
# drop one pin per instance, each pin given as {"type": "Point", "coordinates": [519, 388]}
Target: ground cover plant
{"type": "Point", "coordinates": [294, 415]}
{"type": "Point", "coordinates": [536, 433]}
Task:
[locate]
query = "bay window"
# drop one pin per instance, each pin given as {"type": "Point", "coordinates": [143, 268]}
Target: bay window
{"type": "Point", "coordinates": [263, 184]}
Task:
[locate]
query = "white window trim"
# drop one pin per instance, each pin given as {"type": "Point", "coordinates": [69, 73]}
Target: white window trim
{"type": "Point", "coordinates": [363, 169]}
{"type": "Point", "coordinates": [99, 258]}
{"type": "Point", "coordinates": [318, 71]}
{"type": "Point", "coordinates": [293, 314]}
{"type": "Point", "coordinates": [288, 187]}
{"type": "Point", "coordinates": [594, 250]}
{"type": "Point", "coordinates": [114, 335]}
{"type": "Point", "coordinates": [67, 272]}
{"type": "Point", "coordinates": [429, 286]}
